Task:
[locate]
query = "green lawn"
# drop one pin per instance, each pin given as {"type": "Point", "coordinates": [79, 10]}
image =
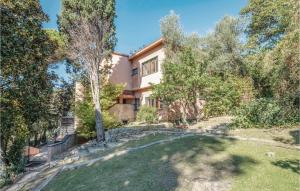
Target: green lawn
{"type": "Point", "coordinates": [283, 135]}
{"type": "Point", "coordinates": [191, 163]}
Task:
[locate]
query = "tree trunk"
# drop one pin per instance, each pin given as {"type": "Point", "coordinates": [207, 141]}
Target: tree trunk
{"type": "Point", "coordinates": [95, 89]}
{"type": "Point", "coordinates": [44, 137]}
{"type": "Point", "coordinates": [183, 113]}
{"type": "Point", "coordinates": [99, 126]}
{"type": "Point", "coordinates": [35, 139]}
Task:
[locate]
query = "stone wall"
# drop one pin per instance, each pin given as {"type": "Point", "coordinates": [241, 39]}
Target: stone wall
{"type": "Point", "coordinates": [114, 135]}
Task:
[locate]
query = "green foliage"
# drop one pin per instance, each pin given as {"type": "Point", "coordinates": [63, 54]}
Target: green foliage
{"type": "Point", "coordinates": [60, 42]}
{"type": "Point", "coordinates": [147, 114]}
{"type": "Point", "coordinates": [109, 94]}
{"type": "Point", "coordinates": [98, 16]}
{"type": "Point", "coordinates": [269, 21]}
{"type": "Point", "coordinates": [201, 68]}
{"type": "Point", "coordinates": [224, 48]}
{"type": "Point", "coordinates": [226, 74]}
{"type": "Point", "coordinates": [26, 85]}
{"type": "Point", "coordinates": [263, 113]}
{"type": "Point", "coordinates": [86, 113]}
{"type": "Point", "coordinates": [273, 56]}
{"type": "Point", "coordinates": [172, 33]}
{"type": "Point", "coordinates": [224, 97]}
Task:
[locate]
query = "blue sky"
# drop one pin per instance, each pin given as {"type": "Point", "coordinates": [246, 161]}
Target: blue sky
{"type": "Point", "coordinates": [138, 20]}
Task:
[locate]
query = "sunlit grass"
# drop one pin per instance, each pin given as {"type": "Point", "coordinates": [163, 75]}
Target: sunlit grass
{"type": "Point", "coordinates": [186, 163]}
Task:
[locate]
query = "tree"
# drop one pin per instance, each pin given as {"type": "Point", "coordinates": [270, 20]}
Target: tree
{"type": "Point", "coordinates": [90, 32]}
{"type": "Point", "coordinates": [183, 68]}
{"type": "Point", "coordinates": [269, 21]}
{"type": "Point", "coordinates": [225, 49]}
{"type": "Point", "coordinates": [273, 44]}
{"type": "Point", "coordinates": [172, 33]}
{"type": "Point", "coordinates": [26, 86]}
{"type": "Point", "coordinates": [211, 68]}
{"type": "Point", "coordinates": [60, 51]}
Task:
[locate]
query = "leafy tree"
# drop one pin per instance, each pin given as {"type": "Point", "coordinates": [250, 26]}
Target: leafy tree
{"type": "Point", "coordinates": [172, 33]}
{"type": "Point", "coordinates": [26, 86]}
{"type": "Point", "coordinates": [209, 68]}
{"type": "Point", "coordinates": [89, 29]}
{"type": "Point", "coordinates": [183, 68]}
{"type": "Point", "coordinates": [273, 56]}
{"type": "Point", "coordinates": [60, 52]}
{"type": "Point", "coordinates": [269, 21]}
{"type": "Point", "coordinates": [225, 48]}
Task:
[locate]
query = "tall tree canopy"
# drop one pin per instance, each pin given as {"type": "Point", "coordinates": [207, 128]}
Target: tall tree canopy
{"type": "Point", "coordinates": [225, 48]}
{"type": "Point", "coordinates": [89, 29]}
{"type": "Point", "coordinates": [183, 68]}
{"type": "Point", "coordinates": [26, 85]}
{"type": "Point", "coordinates": [273, 41]}
{"type": "Point", "coordinates": [269, 21]}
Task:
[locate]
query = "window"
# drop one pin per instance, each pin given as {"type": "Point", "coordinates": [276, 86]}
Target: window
{"type": "Point", "coordinates": [150, 66]}
{"type": "Point", "coordinates": [134, 71]}
{"type": "Point", "coordinates": [136, 104]}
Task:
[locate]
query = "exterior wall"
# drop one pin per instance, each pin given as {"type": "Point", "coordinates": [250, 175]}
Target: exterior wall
{"type": "Point", "coordinates": [121, 71]}
{"type": "Point", "coordinates": [140, 81]}
{"type": "Point", "coordinates": [123, 112]}
{"type": "Point", "coordinates": [143, 95]}
{"type": "Point", "coordinates": [79, 95]}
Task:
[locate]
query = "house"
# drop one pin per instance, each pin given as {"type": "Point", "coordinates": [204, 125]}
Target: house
{"type": "Point", "coordinates": [137, 72]}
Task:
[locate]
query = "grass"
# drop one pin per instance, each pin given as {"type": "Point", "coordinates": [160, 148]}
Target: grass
{"type": "Point", "coordinates": [283, 135]}
{"type": "Point", "coordinates": [189, 163]}
{"type": "Point", "coordinates": [130, 144]}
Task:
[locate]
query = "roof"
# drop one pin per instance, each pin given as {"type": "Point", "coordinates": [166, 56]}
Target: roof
{"type": "Point", "coordinates": [147, 48]}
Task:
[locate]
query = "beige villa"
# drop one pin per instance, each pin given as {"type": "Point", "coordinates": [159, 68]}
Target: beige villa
{"type": "Point", "coordinates": [137, 72]}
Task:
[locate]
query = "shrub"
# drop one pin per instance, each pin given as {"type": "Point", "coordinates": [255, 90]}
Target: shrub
{"type": "Point", "coordinates": [263, 113]}
{"type": "Point", "coordinates": [110, 121]}
{"type": "Point", "coordinates": [85, 111]}
{"type": "Point", "coordinates": [223, 97]}
{"type": "Point", "coordinates": [147, 114]}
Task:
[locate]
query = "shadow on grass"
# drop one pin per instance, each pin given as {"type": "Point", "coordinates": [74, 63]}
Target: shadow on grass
{"type": "Point", "coordinates": [295, 134]}
{"type": "Point", "coordinates": [293, 165]}
{"type": "Point", "coordinates": [167, 166]}
{"type": "Point", "coordinates": [233, 165]}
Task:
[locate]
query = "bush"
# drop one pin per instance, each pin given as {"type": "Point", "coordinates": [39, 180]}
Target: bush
{"type": "Point", "coordinates": [85, 111]}
{"type": "Point", "coordinates": [147, 114]}
{"type": "Point", "coordinates": [224, 97]}
{"type": "Point", "coordinates": [263, 113]}
{"type": "Point", "coordinates": [110, 121]}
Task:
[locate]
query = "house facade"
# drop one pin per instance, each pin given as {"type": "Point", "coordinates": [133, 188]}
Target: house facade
{"type": "Point", "coordinates": [137, 72]}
